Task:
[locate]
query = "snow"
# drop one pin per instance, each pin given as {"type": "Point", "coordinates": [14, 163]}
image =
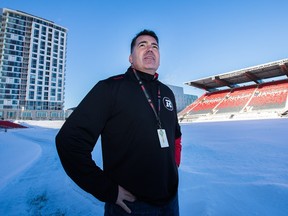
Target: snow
{"type": "Point", "coordinates": [228, 168]}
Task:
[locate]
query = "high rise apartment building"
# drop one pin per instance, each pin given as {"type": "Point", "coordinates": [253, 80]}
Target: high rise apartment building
{"type": "Point", "coordinates": [32, 66]}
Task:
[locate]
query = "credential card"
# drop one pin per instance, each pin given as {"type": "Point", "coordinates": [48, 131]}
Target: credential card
{"type": "Point", "coordinates": [163, 138]}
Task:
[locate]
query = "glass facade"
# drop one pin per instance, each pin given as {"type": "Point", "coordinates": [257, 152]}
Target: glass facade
{"type": "Point", "coordinates": [32, 62]}
{"type": "Point", "coordinates": [182, 100]}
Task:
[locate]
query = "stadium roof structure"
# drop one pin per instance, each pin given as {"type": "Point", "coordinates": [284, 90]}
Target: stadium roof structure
{"type": "Point", "coordinates": [232, 79]}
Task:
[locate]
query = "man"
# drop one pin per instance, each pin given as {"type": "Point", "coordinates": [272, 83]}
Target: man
{"type": "Point", "coordinates": [135, 114]}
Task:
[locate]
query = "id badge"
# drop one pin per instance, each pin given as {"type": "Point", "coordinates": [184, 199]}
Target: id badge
{"type": "Point", "coordinates": [162, 138]}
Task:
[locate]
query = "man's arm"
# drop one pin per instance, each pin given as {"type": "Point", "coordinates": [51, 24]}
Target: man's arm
{"type": "Point", "coordinates": [178, 149]}
{"type": "Point", "coordinates": [77, 138]}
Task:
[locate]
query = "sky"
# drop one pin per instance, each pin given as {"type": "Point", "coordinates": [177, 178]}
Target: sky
{"type": "Point", "coordinates": [197, 38]}
{"type": "Point", "coordinates": [240, 169]}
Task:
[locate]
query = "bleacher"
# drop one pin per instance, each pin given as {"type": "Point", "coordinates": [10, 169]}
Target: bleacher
{"type": "Point", "coordinates": [10, 125]}
{"type": "Point", "coordinates": [261, 99]}
{"type": "Point", "coordinates": [209, 102]}
{"type": "Point", "coordinates": [270, 96]}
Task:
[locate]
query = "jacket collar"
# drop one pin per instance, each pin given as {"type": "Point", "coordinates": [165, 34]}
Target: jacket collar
{"type": "Point", "coordinates": [143, 75]}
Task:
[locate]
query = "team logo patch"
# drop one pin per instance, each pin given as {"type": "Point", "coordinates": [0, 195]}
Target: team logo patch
{"type": "Point", "coordinates": [168, 103]}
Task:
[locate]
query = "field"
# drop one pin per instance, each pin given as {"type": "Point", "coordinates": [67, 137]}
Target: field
{"type": "Point", "coordinates": [228, 168]}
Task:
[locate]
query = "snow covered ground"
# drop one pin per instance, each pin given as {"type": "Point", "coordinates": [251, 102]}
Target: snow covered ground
{"type": "Point", "coordinates": [234, 168]}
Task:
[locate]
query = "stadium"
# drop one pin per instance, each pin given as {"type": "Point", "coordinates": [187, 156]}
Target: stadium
{"type": "Point", "coordinates": [250, 93]}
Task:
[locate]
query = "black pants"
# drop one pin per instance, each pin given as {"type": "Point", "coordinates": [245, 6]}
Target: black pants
{"type": "Point", "coordinates": [140, 208]}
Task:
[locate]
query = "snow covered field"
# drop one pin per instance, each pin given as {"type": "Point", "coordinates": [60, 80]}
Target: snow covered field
{"type": "Point", "coordinates": [228, 168]}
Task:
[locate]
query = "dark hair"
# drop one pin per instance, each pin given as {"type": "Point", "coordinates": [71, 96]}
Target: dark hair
{"type": "Point", "coordinates": [144, 32]}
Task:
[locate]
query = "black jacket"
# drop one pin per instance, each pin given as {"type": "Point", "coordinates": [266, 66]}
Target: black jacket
{"type": "Point", "coordinates": [117, 109]}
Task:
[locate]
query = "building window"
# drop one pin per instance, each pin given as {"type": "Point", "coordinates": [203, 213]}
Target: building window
{"type": "Point", "coordinates": [31, 95]}
{"type": "Point", "coordinates": [41, 114]}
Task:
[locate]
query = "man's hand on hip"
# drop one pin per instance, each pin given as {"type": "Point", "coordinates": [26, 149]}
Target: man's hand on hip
{"type": "Point", "coordinates": [124, 195]}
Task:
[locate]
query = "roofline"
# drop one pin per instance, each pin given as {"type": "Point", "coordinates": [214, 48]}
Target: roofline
{"type": "Point", "coordinates": [33, 16]}
{"type": "Point", "coordinates": [244, 70]}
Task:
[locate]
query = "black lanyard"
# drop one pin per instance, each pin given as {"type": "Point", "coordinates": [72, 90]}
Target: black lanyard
{"type": "Point", "coordinates": [157, 115]}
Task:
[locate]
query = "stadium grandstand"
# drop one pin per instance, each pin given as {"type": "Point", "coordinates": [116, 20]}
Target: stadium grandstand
{"type": "Point", "coordinates": [250, 93]}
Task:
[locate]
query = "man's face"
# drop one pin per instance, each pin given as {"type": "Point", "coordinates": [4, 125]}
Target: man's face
{"type": "Point", "coordinates": [145, 55]}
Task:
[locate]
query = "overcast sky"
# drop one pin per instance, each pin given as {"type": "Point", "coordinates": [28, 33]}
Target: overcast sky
{"type": "Point", "coordinates": [197, 38]}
